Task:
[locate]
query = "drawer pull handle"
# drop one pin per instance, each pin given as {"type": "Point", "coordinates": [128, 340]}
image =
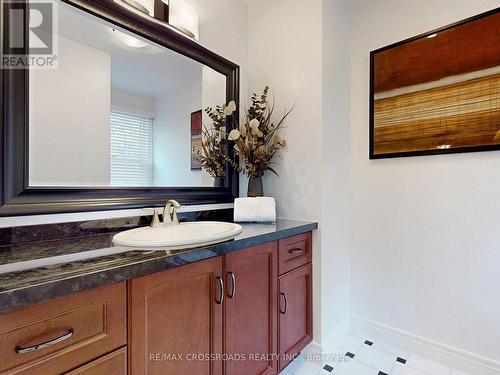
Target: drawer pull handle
{"type": "Point", "coordinates": [286, 304]}
{"type": "Point", "coordinates": [43, 345]}
{"type": "Point", "coordinates": [233, 285]}
{"type": "Point", "coordinates": [221, 295]}
{"type": "Point", "coordinates": [296, 250]}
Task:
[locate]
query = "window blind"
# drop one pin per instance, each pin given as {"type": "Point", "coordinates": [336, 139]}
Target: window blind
{"type": "Point", "coordinates": [131, 149]}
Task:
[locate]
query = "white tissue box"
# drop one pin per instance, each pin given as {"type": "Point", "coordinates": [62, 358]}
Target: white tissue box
{"type": "Point", "coordinates": [257, 210]}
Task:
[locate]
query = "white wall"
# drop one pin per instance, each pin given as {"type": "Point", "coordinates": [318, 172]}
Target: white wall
{"type": "Point", "coordinates": [132, 103]}
{"type": "Point", "coordinates": [293, 48]}
{"type": "Point", "coordinates": [426, 232]}
{"type": "Point", "coordinates": [60, 138]}
{"type": "Point", "coordinates": [172, 136]}
{"type": "Point", "coordinates": [336, 177]}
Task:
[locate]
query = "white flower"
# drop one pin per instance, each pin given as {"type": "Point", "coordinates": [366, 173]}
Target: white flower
{"type": "Point", "coordinates": [232, 105]}
{"type": "Point", "coordinates": [234, 135]}
{"type": "Point", "coordinates": [254, 125]}
{"type": "Point", "coordinates": [228, 111]}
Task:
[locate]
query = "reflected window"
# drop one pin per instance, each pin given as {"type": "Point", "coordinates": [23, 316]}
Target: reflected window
{"type": "Point", "coordinates": [131, 149]}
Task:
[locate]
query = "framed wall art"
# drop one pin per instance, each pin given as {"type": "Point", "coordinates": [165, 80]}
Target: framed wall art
{"type": "Point", "coordinates": [438, 92]}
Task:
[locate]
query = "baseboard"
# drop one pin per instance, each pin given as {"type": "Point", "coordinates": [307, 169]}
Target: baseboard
{"type": "Point", "coordinates": [313, 348]}
{"type": "Point", "coordinates": [332, 342]}
{"type": "Point", "coordinates": [454, 357]}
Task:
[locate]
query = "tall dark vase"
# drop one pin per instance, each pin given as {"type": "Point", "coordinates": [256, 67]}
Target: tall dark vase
{"type": "Point", "coordinates": [219, 181]}
{"type": "Point", "coordinates": [255, 187]}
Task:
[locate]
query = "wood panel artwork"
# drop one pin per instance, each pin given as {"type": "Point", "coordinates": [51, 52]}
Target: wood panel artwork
{"type": "Point", "coordinates": [439, 92]}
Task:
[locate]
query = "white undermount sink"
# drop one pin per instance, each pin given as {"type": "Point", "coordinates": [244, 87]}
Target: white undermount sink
{"type": "Point", "coordinates": [179, 236]}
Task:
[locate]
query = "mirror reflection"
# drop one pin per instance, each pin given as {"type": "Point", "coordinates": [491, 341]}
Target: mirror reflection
{"type": "Point", "coordinates": [118, 110]}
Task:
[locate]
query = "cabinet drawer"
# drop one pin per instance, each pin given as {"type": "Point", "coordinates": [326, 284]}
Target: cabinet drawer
{"type": "Point", "coordinates": [59, 335]}
{"type": "Point", "coordinates": [114, 363]}
{"type": "Point", "coordinates": [294, 252]}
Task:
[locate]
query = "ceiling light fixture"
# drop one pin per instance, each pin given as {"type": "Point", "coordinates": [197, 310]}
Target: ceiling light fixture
{"type": "Point", "coordinates": [129, 40]}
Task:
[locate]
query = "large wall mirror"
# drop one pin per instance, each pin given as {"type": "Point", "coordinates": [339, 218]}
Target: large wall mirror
{"type": "Point", "coordinates": [117, 124]}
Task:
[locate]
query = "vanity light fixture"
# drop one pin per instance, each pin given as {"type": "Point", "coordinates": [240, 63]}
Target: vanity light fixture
{"type": "Point", "coordinates": [184, 18]}
{"type": "Point", "coordinates": [161, 10]}
{"type": "Point", "coordinates": [136, 5]}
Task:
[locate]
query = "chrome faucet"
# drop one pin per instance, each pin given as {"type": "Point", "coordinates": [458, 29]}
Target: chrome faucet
{"type": "Point", "coordinates": [170, 212]}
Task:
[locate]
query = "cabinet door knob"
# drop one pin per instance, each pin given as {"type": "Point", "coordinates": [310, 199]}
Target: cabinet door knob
{"type": "Point", "coordinates": [43, 345]}
{"type": "Point", "coordinates": [221, 291]}
{"type": "Point", "coordinates": [286, 303]}
{"type": "Point", "coordinates": [233, 285]}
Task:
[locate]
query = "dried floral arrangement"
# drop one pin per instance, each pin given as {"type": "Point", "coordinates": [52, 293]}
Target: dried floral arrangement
{"type": "Point", "coordinates": [214, 140]}
{"type": "Point", "coordinates": [257, 138]}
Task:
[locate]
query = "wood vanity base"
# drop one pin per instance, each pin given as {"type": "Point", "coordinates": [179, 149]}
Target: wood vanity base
{"type": "Point", "coordinates": [248, 312]}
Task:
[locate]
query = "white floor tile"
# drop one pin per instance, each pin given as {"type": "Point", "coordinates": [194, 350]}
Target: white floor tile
{"type": "Point", "coordinates": [352, 368]}
{"type": "Point", "coordinates": [369, 360]}
{"type": "Point", "coordinates": [427, 366]}
{"type": "Point", "coordinates": [376, 358]}
{"type": "Point", "coordinates": [294, 364]}
{"type": "Point", "coordinates": [305, 368]}
{"type": "Point", "coordinates": [400, 369]}
{"type": "Point", "coordinates": [352, 343]}
{"type": "Point", "coordinates": [391, 349]}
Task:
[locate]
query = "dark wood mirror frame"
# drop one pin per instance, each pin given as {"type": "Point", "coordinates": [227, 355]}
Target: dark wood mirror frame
{"type": "Point", "coordinates": [18, 198]}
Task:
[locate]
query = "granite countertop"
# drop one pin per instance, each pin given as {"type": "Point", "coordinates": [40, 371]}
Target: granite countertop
{"type": "Point", "coordinates": [22, 288]}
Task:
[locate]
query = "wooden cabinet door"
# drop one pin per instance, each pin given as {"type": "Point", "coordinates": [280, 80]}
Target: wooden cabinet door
{"type": "Point", "coordinates": [250, 310]}
{"type": "Point", "coordinates": [175, 315]}
{"type": "Point", "coordinates": [295, 313]}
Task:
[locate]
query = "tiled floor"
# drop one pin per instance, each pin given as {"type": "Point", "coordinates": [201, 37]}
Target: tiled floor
{"type": "Point", "coordinates": [363, 356]}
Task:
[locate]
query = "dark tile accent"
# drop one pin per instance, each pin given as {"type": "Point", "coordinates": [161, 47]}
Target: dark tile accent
{"type": "Point", "coordinates": [401, 360]}
{"type": "Point", "coordinates": [369, 343]}
{"type": "Point", "coordinates": [382, 373]}
{"type": "Point", "coordinates": [328, 368]}
{"type": "Point", "coordinates": [349, 354]}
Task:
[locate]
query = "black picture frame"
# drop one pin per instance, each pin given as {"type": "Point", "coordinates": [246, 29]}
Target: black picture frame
{"type": "Point", "coordinates": [372, 154]}
{"type": "Point", "coordinates": [18, 198]}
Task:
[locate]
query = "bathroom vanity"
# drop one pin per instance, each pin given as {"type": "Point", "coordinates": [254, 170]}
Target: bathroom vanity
{"type": "Point", "coordinates": [239, 307]}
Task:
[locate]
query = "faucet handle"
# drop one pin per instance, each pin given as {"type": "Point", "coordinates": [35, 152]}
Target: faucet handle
{"type": "Point", "coordinates": [155, 222]}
